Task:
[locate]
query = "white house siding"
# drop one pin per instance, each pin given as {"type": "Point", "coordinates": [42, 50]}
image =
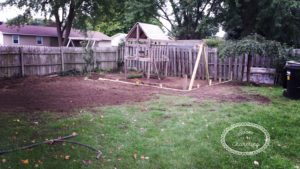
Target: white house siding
{"type": "Point", "coordinates": [118, 38]}
{"type": "Point", "coordinates": [1, 38]}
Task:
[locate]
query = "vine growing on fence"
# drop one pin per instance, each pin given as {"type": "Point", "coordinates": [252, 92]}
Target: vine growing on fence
{"type": "Point", "coordinates": [255, 45]}
{"type": "Point", "coordinates": [89, 60]}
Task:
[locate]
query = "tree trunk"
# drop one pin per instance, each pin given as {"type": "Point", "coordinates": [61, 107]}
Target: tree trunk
{"type": "Point", "coordinates": [64, 30]}
{"type": "Point", "coordinates": [249, 66]}
{"type": "Point", "coordinates": [69, 23]}
{"type": "Point", "coordinates": [58, 29]}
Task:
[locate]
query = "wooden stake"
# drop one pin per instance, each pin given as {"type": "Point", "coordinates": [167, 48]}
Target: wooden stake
{"type": "Point", "coordinates": [185, 82]}
{"type": "Point", "coordinates": [62, 59]}
{"type": "Point", "coordinates": [196, 67]}
{"type": "Point", "coordinates": [22, 62]}
{"type": "Point", "coordinates": [125, 68]}
{"type": "Point", "coordinates": [206, 64]}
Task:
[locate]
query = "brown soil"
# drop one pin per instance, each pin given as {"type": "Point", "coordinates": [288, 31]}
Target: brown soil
{"type": "Point", "coordinates": [64, 94]}
{"type": "Point", "coordinates": [229, 92]}
{"type": "Point", "coordinates": [169, 82]}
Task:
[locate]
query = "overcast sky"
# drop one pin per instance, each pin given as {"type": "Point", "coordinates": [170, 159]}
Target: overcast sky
{"type": "Point", "coordinates": [11, 12]}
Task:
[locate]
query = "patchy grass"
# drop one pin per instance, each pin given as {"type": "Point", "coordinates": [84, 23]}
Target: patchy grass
{"type": "Point", "coordinates": [170, 132]}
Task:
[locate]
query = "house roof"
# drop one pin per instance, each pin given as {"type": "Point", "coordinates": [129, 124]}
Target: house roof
{"type": "Point", "coordinates": [152, 32]}
{"type": "Point", "coordinates": [89, 35]}
{"type": "Point", "coordinates": [32, 30]}
{"type": "Point", "coordinates": [119, 34]}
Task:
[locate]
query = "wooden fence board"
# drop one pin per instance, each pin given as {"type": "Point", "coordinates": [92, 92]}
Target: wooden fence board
{"type": "Point", "coordinates": [33, 60]}
{"type": "Point", "coordinates": [182, 61]}
{"type": "Point", "coordinates": [47, 60]}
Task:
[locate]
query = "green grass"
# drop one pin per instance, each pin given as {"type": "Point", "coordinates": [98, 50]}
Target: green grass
{"type": "Point", "coordinates": [170, 132]}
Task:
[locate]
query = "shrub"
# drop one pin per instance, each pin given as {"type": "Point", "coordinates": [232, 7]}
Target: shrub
{"type": "Point", "coordinates": [214, 42]}
{"type": "Point", "coordinates": [256, 44]}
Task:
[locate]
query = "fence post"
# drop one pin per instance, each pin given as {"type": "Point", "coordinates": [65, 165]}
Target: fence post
{"type": "Point", "coordinates": [215, 64]}
{"type": "Point", "coordinates": [62, 59]}
{"type": "Point", "coordinates": [22, 62]}
{"type": "Point", "coordinates": [190, 62]}
{"type": "Point", "coordinates": [117, 57]}
{"type": "Point", "coordinates": [229, 69]}
{"type": "Point", "coordinates": [167, 60]}
{"type": "Point", "coordinates": [94, 58]}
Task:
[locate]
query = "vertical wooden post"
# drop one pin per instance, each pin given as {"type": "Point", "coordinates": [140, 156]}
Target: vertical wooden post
{"type": "Point", "coordinates": [190, 62]}
{"type": "Point", "coordinates": [149, 61]}
{"type": "Point", "coordinates": [196, 66]}
{"type": "Point", "coordinates": [229, 69]}
{"type": "Point", "coordinates": [206, 64]}
{"type": "Point", "coordinates": [138, 41]}
{"type": "Point", "coordinates": [215, 65]}
{"type": "Point", "coordinates": [117, 57]}
{"type": "Point", "coordinates": [94, 58]}
{"type": "Point", "coordinates": [245, 68]}
{"type": "Point", "coordinates": [167, 61]}
{"type": "Point", "coordinates": [185, 82]}
{"type": "Point", "coordinates": [235, 73]}
{"type": "Point", "coordinates": [240, 73]}
{"type": "Point", "coordinates": [125, 68]}
{"type": "Point", "coordinates": [220, 61]}
{"type": "Point", "coordinates": [179, 51]}
{"type": "Point", "coordinates": [175, 61]}
{"type": "Point", "coordinates": [62, 59]}
{"type": "Point", "coordinates": [22, 62]}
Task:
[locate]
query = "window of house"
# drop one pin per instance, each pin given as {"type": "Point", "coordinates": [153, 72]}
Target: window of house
{"type": "Point", "coordinates": [39, 40]}
{"type": "Point", "coordinates": [16, 39]}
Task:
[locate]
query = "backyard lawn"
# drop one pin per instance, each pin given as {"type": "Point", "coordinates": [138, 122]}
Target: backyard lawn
{"type": "Point", "coordinates": [168, 131]}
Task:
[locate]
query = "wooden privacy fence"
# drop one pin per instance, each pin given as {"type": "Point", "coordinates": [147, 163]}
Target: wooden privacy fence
{"type": "Point", "coordinates": [182, 61]}
{"type": "Point", "coordinates": [24, 60]}
{"type": "Point", "coordinates": [20, 61]}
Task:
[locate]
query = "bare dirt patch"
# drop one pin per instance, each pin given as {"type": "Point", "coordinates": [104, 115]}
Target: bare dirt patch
{"type": "Point", "coordinates": [230, 92]}
{"type": "Point", "coordinates": [65, 94]}
{"type": "Point", "coordinates": [168, 82]}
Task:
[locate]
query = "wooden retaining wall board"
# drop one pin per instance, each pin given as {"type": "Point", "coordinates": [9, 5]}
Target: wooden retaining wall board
{"type": "Point", "coordinates": [32, 60]}
{"type": "Point", "coordinates": [182, 61]}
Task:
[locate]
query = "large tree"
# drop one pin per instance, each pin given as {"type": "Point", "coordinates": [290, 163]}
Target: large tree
{"type": "Point", "coordinates": [190, 19]}
{"type": "Point", "coordinates": [274, 19]}
{"type": "Point", "coordinates": [63, 11]}
{"type": "Point", "coordinates": [121, 15]}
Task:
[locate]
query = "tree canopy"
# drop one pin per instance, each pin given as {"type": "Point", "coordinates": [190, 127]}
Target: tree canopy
{"type": "Point", "coordinates": [121, 15]}
{"type": "Point", "coordinates": [64, 12]}
{"type": "Point", "coordinates": [189, 19]}
{"type": "Point", "coordinates": [192, 19]}
{"type": "Point", "coordinates": [274, 19]}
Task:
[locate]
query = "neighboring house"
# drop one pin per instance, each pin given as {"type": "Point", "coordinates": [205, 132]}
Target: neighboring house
{"type": "Point", "coordinates": [47, 36]}
{"type": "Point", "coordinates": [118, 38]}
